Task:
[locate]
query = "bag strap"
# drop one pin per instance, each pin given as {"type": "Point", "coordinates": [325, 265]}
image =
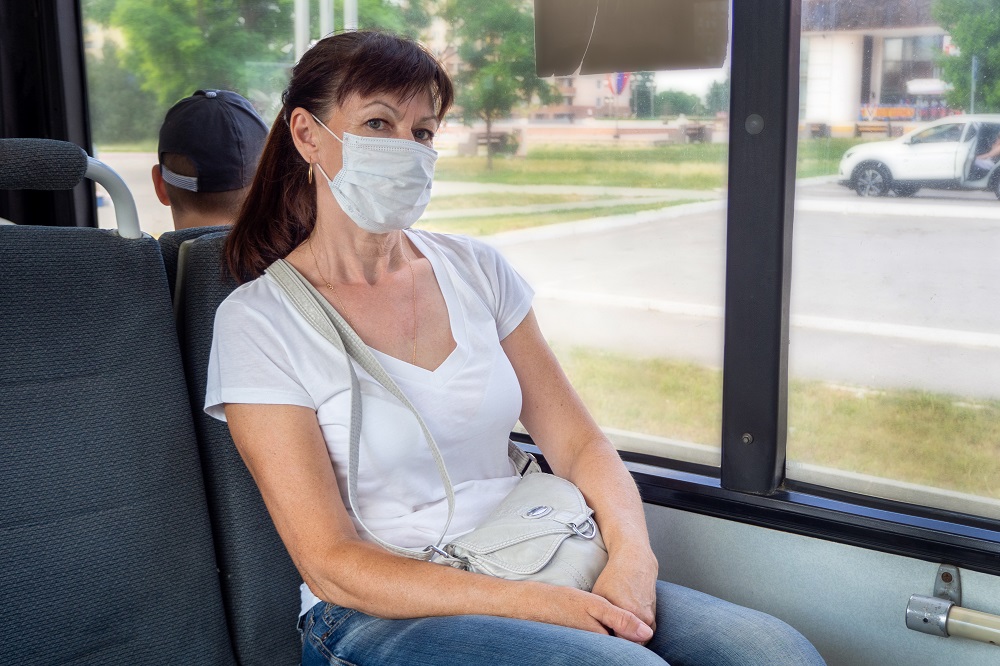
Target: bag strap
{"type": "Point", "coordinates": [325, 319]}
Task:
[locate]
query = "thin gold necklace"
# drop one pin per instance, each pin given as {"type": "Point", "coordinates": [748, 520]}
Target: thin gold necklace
{"type": "Point", "coordinates": [343, 308]}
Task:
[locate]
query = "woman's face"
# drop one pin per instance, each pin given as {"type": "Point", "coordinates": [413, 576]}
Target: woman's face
{"type": "Point", "coordinates": [377, 116]}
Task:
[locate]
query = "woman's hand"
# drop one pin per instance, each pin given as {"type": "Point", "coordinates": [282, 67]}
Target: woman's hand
{"type": "Point", "coordinates": [630, 584]}
{"type": "Point", "coordinates": [569, 607]}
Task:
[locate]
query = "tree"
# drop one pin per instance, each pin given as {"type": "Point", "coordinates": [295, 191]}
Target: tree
{"type": "Point", "coordinates": [643, 95]}
{"type": "Point", "coordinates": [717, 98]}
{"type": "Point", "coordinates": [495, 42]}
{"type": "Point", "coordinates": [179, 46]}
{"type": "Point", "coordinates": [175, 47]}
{"type": "Point", "coordinates": [119, 110]}
{"type": "Point", "coordinates": [675, 102]}
{"type": "Point", "coordinates": [974, 26]}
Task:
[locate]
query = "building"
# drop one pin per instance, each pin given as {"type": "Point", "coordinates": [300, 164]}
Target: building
{"type": "Point", "coordinates": [870, 61]}
{"type": "Point", "coordinates": [585, 96]}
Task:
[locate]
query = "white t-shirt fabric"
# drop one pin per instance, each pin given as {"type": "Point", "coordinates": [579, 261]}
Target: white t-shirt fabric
{"type": "Point", "coordinates": [265, 352]}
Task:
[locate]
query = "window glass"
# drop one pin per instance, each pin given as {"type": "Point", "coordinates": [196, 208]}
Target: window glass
{"type": "Point", "coordinates": [607, 191]}
{"type": "Point", "coordinates": [939, 134]}
{"type": "Point", "coordinates": [894, 350]}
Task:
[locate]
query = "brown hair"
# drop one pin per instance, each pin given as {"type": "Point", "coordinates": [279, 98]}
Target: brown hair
{"type": "Point", "coordinates": [280, 209]}
{"type": "Point", "coordinates": [219, 204]}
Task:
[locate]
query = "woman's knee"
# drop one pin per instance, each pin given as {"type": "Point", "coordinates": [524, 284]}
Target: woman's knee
{"type": "Point", "coordinates": [694, 627]}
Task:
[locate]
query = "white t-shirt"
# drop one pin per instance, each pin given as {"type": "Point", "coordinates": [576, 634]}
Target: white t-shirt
{"type": "Point", "coordinates": [265, 352]}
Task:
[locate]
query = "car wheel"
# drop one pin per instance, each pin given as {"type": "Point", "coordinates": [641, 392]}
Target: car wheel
{"type": "Point", "coordinates": [905, 190]}
{"type": "Point", "coordinates": [871, 180]}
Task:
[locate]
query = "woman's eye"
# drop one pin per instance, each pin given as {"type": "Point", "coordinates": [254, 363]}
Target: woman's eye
{"type": "Point", "coordinates": [423, 135]}
{"type": "Point", "coordinates": [376, 124]}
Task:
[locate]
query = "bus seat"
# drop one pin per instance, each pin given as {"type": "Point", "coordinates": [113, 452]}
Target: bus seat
{"type": "Point", "coordinates": [106, 549]}
{"type": "Point", "coordinates": [170, 243]}
{"type": "Point", "coordinates": [259, 582]}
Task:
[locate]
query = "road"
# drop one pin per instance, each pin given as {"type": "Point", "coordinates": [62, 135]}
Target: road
{"type": "Point", "coordinates": [886, 292]}
{"type": "Point", "coordinates": [883, 295]}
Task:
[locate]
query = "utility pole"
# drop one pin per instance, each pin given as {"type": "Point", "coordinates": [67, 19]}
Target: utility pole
{"type": "Point", "coordinates": [325, 17]}
{"type": "Point", "coordinates": [350, 14]}
{"type": "Point", "coordinates": [975, 73]}
{"type": "Point", "coordinates": [301, 27]}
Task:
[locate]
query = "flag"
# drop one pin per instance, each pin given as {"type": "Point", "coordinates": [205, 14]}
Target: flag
{"type": "Point", "coordinates": [617, 82]}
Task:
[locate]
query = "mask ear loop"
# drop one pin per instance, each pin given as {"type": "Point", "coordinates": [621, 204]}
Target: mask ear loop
{"type": "Point", "coordinates": [326, 128]}
{"type": "Point", "coordinates": [322, 171]}
{"type": "Point", "coordinates": [318, 165]}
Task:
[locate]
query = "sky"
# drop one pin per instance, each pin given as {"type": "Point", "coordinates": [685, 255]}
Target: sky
{"type": "Point", "coordinates": [694, 81]}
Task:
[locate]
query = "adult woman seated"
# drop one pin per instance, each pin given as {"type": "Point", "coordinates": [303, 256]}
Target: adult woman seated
{"type": "Point", "coordinates": [346, 170]}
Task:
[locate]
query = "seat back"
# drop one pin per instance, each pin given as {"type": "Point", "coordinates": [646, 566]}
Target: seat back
{"type": "Point", "coordinates": [259, 581]}
{"type": "Point", "coordinates": [103, 516]}
{"type": "Point", "coordinates": [170, 244]}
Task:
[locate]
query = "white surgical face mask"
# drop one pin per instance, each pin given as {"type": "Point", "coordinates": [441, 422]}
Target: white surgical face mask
{"type": "Point", "coordinates": [385, 184]}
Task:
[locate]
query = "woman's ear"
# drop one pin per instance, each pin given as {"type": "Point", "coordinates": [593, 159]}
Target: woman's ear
{"type": "Point", "coordinates": [303, 130]}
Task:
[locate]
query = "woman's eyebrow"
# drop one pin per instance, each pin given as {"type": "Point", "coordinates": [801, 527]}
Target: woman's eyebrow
{"type": "Point", "coordinates": [377, 102]}
{"type": "Point", "coordinates": [395, 112]}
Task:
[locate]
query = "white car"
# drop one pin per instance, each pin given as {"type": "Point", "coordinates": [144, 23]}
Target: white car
{"type": "Point", "coordinates": [939, 155]}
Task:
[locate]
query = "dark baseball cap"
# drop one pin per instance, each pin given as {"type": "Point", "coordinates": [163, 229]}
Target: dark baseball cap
{"type": "Point", "coordinates": [221, 133]}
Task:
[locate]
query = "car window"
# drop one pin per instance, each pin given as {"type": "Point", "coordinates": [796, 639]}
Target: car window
{"type": "Point", "coordinates": [939, 134]}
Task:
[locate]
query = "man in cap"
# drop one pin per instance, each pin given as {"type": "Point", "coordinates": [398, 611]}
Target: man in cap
{"type": "Point", "coordinates": [209, 146]}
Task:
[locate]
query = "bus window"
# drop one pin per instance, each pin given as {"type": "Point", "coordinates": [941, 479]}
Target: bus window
{"type": "Point", "coordinates": [607, 191]}
{"type": "Point", "coordinates": [895, 332]}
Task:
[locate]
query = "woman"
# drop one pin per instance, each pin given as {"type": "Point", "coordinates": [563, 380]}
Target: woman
{"type": "Point", "coordinates": [345, 171]}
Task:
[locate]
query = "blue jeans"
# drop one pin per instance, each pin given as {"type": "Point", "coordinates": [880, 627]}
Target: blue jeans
{"type": "Point", "coordinates": [691, 628]}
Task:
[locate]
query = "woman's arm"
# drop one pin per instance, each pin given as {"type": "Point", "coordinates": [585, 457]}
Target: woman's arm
{"type": "Point", "coordinates": [283, 448]}
{"type": "Point", "coordinates": [577, 449]}
{"type": "Point", "coordinates": [992, 152]}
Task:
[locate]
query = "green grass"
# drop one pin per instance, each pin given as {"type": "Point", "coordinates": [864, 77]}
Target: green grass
{"type": "Point", "coordinates": [680, 167]}
{"type": "Point", "coordinates": [821, 157]}
{"type": "Point", "coordinates": [493, 224]}
{"type": "Point", "coordinates": [926, 438]}
{"type": "Point", "coordinates": [930, 439]}
{"type": "Point", "coordinates": [492, 199]}
{"type": "Point", "coordinates": [647, 395]}
{"type": "Point", "coordinates": [701, 166]}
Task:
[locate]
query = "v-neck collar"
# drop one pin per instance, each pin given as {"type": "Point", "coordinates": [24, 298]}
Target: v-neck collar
{"type": "Point", "coordinates": [404, 370]}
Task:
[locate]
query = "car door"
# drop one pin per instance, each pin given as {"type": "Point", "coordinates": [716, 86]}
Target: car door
{"type": "Point", "coordinates": [933, 154]}
{"type": "Point", "coordinates": [973, 138]}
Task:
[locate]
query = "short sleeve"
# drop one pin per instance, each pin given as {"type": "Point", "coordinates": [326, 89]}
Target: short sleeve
{"type": "Point", "coordinates": [249, 362]}
{"type": "Point", "coordinates": [511, 294]}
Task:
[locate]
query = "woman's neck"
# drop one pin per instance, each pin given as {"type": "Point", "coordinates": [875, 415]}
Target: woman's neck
{"type": "Point", "coordinates": [348, 254]}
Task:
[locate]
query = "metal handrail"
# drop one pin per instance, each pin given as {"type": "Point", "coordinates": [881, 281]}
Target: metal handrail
{"type": "Point", "coordinates": [125, 210]}
{"type": "Point", "coordinates": [942, 617]}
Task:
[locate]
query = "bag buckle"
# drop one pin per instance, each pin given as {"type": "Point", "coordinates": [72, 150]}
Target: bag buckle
{"type": "Point", "coordinates": [588, 530]}
{"type": "Point", "coordinates": [436, 551]}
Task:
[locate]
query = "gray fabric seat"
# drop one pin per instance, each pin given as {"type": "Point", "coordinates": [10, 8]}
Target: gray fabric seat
{"type": "Point", "coordinates": [106, 549]}
{"type": "Point", "coordinates": [259, 581]}
{"type": "Point", "coordinates": [170, 243]}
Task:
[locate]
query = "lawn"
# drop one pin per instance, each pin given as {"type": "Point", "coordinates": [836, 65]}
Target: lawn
{"type": "Point", "coordinates": [699, 166]}
{"type": "Point", "coordinates": [652, 167]}
{"type": "Point", "coordinates": [495, 199]}
{"type": "Point", "coordinates": [924, 438]}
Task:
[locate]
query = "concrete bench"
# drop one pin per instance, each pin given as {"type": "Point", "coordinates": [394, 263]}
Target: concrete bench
{"type": "Point", "coordinates": [494, 143]}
